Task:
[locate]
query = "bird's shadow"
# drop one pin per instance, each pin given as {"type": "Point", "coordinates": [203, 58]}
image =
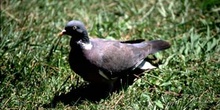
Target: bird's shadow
{"type": "Point", "coordinates": [90, 92]}
{"type": "Point", "coordinates": [79, 94]}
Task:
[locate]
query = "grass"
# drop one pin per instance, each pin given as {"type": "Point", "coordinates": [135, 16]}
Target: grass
{"type": "Point", "coordinates": [34, 67]}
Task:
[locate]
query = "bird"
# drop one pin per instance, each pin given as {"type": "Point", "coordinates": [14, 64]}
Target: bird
{"type": "Point", "coordinates": [105, 61]}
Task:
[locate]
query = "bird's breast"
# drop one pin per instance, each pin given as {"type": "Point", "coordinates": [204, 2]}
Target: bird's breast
{"type": "Point", "coordinates": [83, 67]}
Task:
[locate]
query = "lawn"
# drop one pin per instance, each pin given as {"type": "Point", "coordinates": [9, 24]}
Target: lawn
{"type": "Point", "coordinates": [34, 69]}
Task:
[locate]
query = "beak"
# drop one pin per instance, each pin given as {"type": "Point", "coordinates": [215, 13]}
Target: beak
{"type": "Point", "coordinates": [62, 32]}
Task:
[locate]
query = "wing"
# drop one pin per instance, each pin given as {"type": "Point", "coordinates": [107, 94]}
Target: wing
{"type": "Point", "coordinates": [116, 57]}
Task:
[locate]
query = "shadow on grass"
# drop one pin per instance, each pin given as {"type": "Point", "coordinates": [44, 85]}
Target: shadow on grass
{"type": "Point", "coordinates": [77, 95]}
{"type": "Point", "coordinates": [91, 92]}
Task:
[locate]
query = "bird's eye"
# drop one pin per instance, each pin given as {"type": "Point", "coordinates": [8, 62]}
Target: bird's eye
{"type": "Point", "coordinates": [74, 27]}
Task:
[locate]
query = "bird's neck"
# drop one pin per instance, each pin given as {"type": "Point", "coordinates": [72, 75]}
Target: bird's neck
{"type": "Point", "coordinates": [85, 45]}
{"type": "Point", "coordinates": [83, 42]}
{"type": "Point", "coordinates": [79, 37]}
{"type": "Point", "coordinates": [85, 39]}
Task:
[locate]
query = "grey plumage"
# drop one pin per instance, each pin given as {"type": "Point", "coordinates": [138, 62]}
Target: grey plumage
{"type": "Point", "coordinates": [104, 61]}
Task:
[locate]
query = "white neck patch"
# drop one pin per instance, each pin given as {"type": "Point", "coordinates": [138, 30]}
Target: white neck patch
{"type": "Point", "coordinates": [86, 46]}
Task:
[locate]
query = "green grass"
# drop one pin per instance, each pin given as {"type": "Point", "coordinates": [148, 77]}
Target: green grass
{"type": "Point", "coordinates": [34, 67]}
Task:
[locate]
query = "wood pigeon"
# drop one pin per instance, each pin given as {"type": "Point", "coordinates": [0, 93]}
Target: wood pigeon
{"type": "Point", "coordinates": [104, 61]}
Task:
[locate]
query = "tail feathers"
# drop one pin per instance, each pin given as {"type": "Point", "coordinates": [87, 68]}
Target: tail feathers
{"type": "Point", "coordinates": [158, 45]}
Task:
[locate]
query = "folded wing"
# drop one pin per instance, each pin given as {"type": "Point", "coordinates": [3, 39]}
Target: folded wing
{"type": "Point", "coordinates": [115, 57]}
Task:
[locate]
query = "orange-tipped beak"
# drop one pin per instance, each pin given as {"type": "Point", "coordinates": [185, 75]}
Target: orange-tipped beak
{"type": "Point", "coordinates": [62, 33]}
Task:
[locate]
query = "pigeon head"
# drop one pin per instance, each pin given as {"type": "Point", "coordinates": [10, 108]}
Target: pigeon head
{"type": "Point", "coordinates": [75, 29]}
